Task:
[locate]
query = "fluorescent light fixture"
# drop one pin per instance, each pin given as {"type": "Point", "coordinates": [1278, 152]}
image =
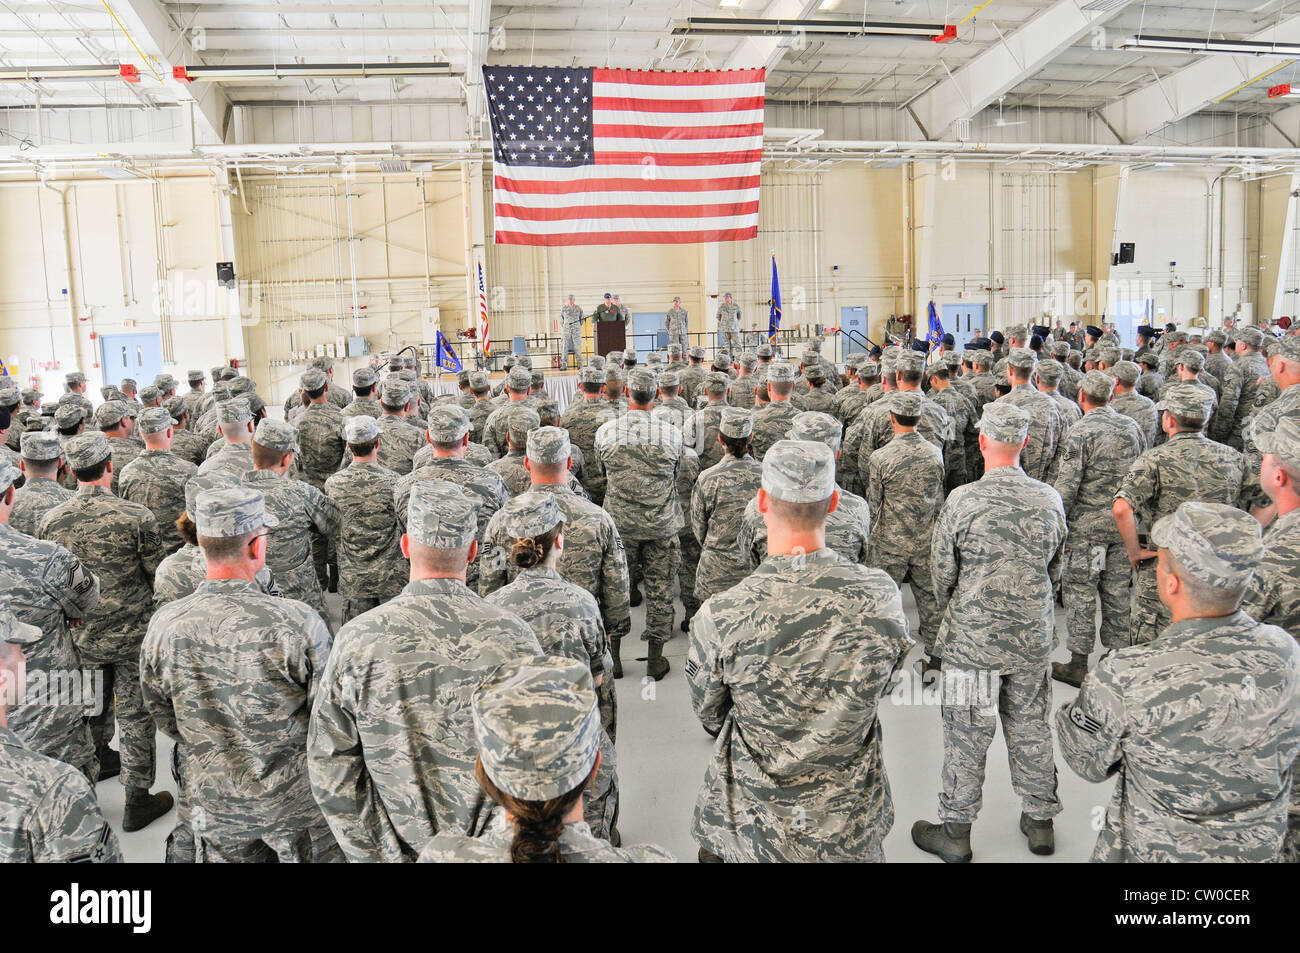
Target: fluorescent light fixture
{"type": "Point", "coordinates": [55, 74]}
{"type": "Point", "coordinates": [117, 172]}
{"type": "Point", "coordinates": [196, 74]}
{"type": "Point", "coordinates": [394, 165]}
{"type": "Point", "coordinates": [1178, 44]}
{"type": "Point", "coordinates": [758, 26]}
{"type": "Point", "coordinates": [1103, 6]}
{"type": "Point", "coordinates": [728, 3]}
{"type": "Point", "coordinates": [829, 4]}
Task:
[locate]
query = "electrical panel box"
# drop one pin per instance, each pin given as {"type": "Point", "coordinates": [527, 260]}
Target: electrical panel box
{"type": "Point", "coordinates": [358, 346]}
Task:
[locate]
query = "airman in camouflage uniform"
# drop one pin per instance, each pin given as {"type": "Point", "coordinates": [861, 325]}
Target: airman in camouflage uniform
{"type": "Point", "coordinates": [718, 506]}
{"type": "Point", "coordinates": [905, 492]}
{"type": "Point", "coordinates": [729, 317]}
{"type": "Point", "coordinates": [402, 439]}
{"type": "Point", "coordinates": [75, 394]}
{"type": "Point", "coordinates": [481, 407]}
{"type": "Point", "coordinates": [994, 557]}
{"type": "Point", "coordinates": [1047, 378]}
{"type": "Point", "coordinates": [582, 419]}
{"type": "Point", "coordinates": [156, 478]}
{"type": "Point", "coordinates": [1095, 457]}
{"type": "Point", "coordinates": [678, 322]}
{"type": "Point", "coordinates": [518, 386]}
{"type": "Point", "coordinates": [369, 544]}
{"type": "Point", "coordinates": [791, 692]}
{"type": "Point", "coordinates": [538, 740]}
{"type": "Point", "coordinates": [242, 735]}
{"type": "Point", "coordinates": [1240, 385]}
{"type": "Point", "coordinates": [1188, 466]}
{"type": "Point", "coordinates": [320, 431]}
{"type": "Point", "coordinates": [388, 784]}
{"type": "Point", "coordinates": [305, 517]}
{"type": "Point", "coordinates": [116, 418]}
{"type": "Point", "coordinates": [41, 491]}
{"type": "Point", "coordinates": [1203, 724]}
{"type": "Point", "coordinates": [961, 410]}
{"type": "Point", "coordinates": [47, 587]}
{"type": "Point", "coordinates": [1216, 361]}
{"type": "Point", "coordinates": [365, 400]}
{"type": "Point", "coordinates": [567, 622]}
{"type": "Point", "coordinates": [1046, 426]}
{"type": "Point", "coordinates": [48, 812]}
{"type": "Point", "coordinates": [692, 377]}
{"type": "Point", "coordinates": [185, 443]}
{"type": "Point", "coordinates": [236, 454]}
{"type": "Point", "coordinates": [772, 422]}
{"type": "Point", "coordinates": [118, 541]}
{"type": "Point", "coordinates": [701, 430]}
{"type": "Point", "coordinates": [669, 405]}
{"type": "Point", "coordinates": [1138, 408]}
{"type": "Point", "coordinates": [687, 473]}
{"type": "Point", "coordinates": [571, 331]}
{"type": "Point", "coordinates": [1284, 365]}
{"type": "Point", "coordinates": [641, 458]}
{"type": "Point", "coordinates": [517, 420]}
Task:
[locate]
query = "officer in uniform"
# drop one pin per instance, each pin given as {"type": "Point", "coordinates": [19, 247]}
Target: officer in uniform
{"type": "Point", "coordinates": [539, 751]}
{"type": "Point", "coordinates": [1188, 466]}
{"type": "Point", "coordinates": [566, 620]}
{"type": "Point", "coordinates": [156, 478]}
{"type": "Point", "coordinates": [791, 692]}
{"type": "Point", "coordinates": [1202, 725]}
{"type": "Point", "coordinates": [1097, 454]}
{"type": "Point", "coordinates": [571, 331]}
{"type": "Point", "coordinates": [718, 503]}
{"type": "Point", "coordinates": [995, 639]}
{"type": "Point", "coordinates": [224, 719]}
{"type": "Point", "coordinates": [640, 458]}
{"type": "Point", "coordinates": [118, 541]}
{"type": "Point", "coordinates": [48, 812]}
{"type": "Point", "coordinates": [41, 491]}
{"type": "Point", "coordinates": [679, 326]}
{"type": "Point", "coordinates": [391, 750]}
{"type": "Point", "coordinates": [369, 545]}
{"type": "Point", "coordinates": [729, 324]}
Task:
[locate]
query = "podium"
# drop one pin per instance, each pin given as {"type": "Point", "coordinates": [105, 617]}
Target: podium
{"type": "Point", "coordinates": [610, 336]}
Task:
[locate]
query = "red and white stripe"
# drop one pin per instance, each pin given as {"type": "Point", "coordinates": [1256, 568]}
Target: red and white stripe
{"type": "Point", "coordinates": [677, 158]}
{"type": "Point", "coordinates": [482, 314]}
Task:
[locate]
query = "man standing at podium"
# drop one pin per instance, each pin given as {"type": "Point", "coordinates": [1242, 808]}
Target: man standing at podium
{"type": "Point", "coordinates": [678, 325]}
{"type": "Point", "coordinates": [608, 311]}
{"type": "Point", "coordinates": [729, 324]}
{"type": "Point", "coordinates": [571, 331]}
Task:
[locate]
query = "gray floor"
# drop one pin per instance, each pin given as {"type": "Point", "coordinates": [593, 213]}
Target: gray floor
{"type": "Point", "coordinates": [663, 752]}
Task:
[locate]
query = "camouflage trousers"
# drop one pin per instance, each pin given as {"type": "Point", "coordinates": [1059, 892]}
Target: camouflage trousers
{"type": "Point", "coordinates": [67, 738]}
{"type": "Point", "coordinates": [571, 339]}
{"type": "Point", "coordinates": [600, 798]}
{"type": "Point", "coordinates": [916, 570]}
{"type": "Point", "coordinates": [1092, 571]}
{"type": "Point", "coordinates": [731, 340]}
{"type": "Point", "coordinates": [972, 703]}
{"type": "Point", "coordinates": [1149, 617]}
{"type": "Point", "coordinates": [124, 704]}
{"type": "Point", "coordinates": [607, 699]}
{"type": "Point", "coordinates": [278, 847]}
{"type": "Point", "coordinates": [355, 607]}
{"type": "Point", "coordinates": [303, 584]}
{"type": "Point", "coordinates": [656, 562]}
{"type": "Point", "coordinates": [686, 574]}
{"type": "Point", "coordinates": [679, 337]}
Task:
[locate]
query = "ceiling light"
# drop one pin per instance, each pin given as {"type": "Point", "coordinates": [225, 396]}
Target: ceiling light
{"type": "Point", "coordinates": [1178, 44]}
{"type": "Point", "coordinates": [728, 3]}
{"type": "Point", "coordinates": [1103, 6]}
{"type": "Point", "coordinates": [394, 165]}
{"type": "Point", "coordinates": [194, 74]}
{"type": "Point", "coordinates": [117, 172]}
{"type": "Point", "coordinates": [829, 4]}
{"type": "Point", "coordinates": [758, 26]}
{"type": "Point", "coordinates": [47, 74]}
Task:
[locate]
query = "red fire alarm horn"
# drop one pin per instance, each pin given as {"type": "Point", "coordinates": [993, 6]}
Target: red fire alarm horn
{"type": "Point", "coordinates": [1282, 89]}
{"type": "Point", "coordinates": [180, 75]}
{"type": "Point", "coordinates": [128, 72]}
{"type": "Point", "coordinates": [949, 33]}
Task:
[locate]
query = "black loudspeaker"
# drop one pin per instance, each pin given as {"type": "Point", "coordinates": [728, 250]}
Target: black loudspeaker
{"type": "Point", "coordinates": [1126, 253]}
{"type": "Point", "coordinates": [226, 274]}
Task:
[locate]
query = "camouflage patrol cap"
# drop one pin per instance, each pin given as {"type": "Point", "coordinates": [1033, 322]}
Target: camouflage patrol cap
{"type": "Point", "coordinates": [360, 428]}
{"type": "Point", "coordinates": [1215, 544]}
{"type": "Point", "coordinates": [904, 403]}
{"type": "Point", "coordinates": [748, 360]}
{"type": "Point", "coordinates": [313, 379]}
{"type": "Point", "coordinates": [721, 361]}
{"type": "Point", "coordinates": [462, 376]}
{"type": "Point", "coordinates": [395, 393]}
{"type": "Point", "coordinates": [816, 426]}
{"type": "Point", "coordinates": [216, 372]}
{"type": "Point", "coordinates": [364, 377]}
{"type": "Point", "coordinates": [1049, 372]}
{"type": "Point", "coordinates": [537, 726]}
{"type": "Point", "coordinates": [654, 358]}
{"type": "Point", "coordinates": [799, 471]}
{"type": "Point", "coordinates": [509, 362]}
{"type": "Point", "coordinates": [524, 360]}
{"type": "Point", "coordinates": [85, 450]}
{"type": "Point", "coordinates": [1021, 358]}
{"type": "Point", "coordinates": [1004, 423]}
{"type": "Point", "coordinates": [763, 350]}
{"type": "Point", "coordinates": [231, 511]}
{"type": "Point", "coordinates": [478, 382]}
{"type": "Point", "coordinates": [596, 360]}
{"type": "Point", "coordinates": [410, 376]}
{"type": "Point", "coordinates": [9, 475]}
{"type": "Point", "coordinates": [868, 369]}
{"type": "Point", "coordinates": [194, 377]}
{"type": "Point", "coordinates": [229, 374]}
{"type": "Point", "coordinates": [1253, 338]}
{"type": "Point", "coordinates": [854, 359]}
{"type": "Point", "coordinates": [983, 358]}
{"type": "Point", "coordinates": [1099, 385]}
{"type": "Point", "coordinates": [697, 352]}
{"type": "Point", "coordinates": [1002, 379]}
{"type": "Point", "coordinates": [448, 423]}
{"type": "Point", "coordinates": [9, 397]}
{"type": "Point", "coordinates": [530, 514]}
{"type": "Point", "coordinates": [1126, 354]}
{"type": "Point", "coordinates": [68, 415]}
{"type": "Point", "coordinates": [1188, 400]}
{"type": "Point", "coordinates": [322, 363]}
{"type": "Point", "coordinates": [909, 362]}
{"type": "Point", "coordinates": [548, 446]}
{"type": "Point", "coordinates": [176, 407]}
{"type": "Point", "coordinates": [234, 411]}
{"type": "Point", "coordinates": [74, 377]}
{"type": "Point", "coordinates": [641, 380]}
{"type": "Point", "coordinates": [276, 435]}
{"type": "Point", "coordinates": [40, 446]}
{"type": "Point", "coordinates": [591, 374]}
{"type": "Point", "coordinates": [716, 382]}
{"type": "Point", "coordinates": [674, 350]}
{"type": "Point", "coordinates": [889, 359]}
{"type": "Point", "coordinates": [164, 382]}
{"type": "Point", "coordinates": [613, 374]}
{"type": "Point", "coordinates": [670, 379]}
{"type": "Point", "coordinates": [1283, 441]}
{"type": "Point", "coordinates": [951, 359]}
{"type": "Point", "coordinates": [1018, 333]}
{"type": "Point", "coordinates": [1149, 359]}
{"type": "Point", "coordinates": [221, 392]}
{"type": "Point", "coordinates": [535, 379]}
{"type": "Point", "coordinates": [154, 420]}
{"type": "Point", "coordinates": [1217, 336]}
{"type": "Point", "coordinates": [780, 371]}
{"type": "Point", "coordinates": [1126, 372]}
{"type": "Point", "coordinates": [519, 420]}
{"type": "Point", "coordinates": [736, 422]}
{"type": "Point", "coordinates": [31, 395]}
{"type": "Point", "coordinates": [546, 408]}
{"type": "Point", "coordinates": [205, 481]}
{"type": "Point", "coordinates": [629, 356]}
{"type": "Point", "coordinates": [519, 379]}
{"type": "Point", "coordinates": [1108, 355]}
{"type": "Point", "coordinates": [441, 515]}
{"type": "Point", "coordinates": [1060, 348]}
{"type": "Point", "coordinates": [16, 632]}
{"type": "Point", "coordinates": [614, 357]}
{"type": "Point", "coordinates": [1287, 348]}
{"type": "Point", "coordinates": [1191, 359]}
{"type": "Point", "coordinates": [150, 394]}
{"type": "Point", "coordinates": [111, 412]}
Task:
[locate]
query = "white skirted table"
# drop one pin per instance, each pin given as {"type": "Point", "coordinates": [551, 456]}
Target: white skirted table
{"type": "Point", "coordinates": [561, 388]}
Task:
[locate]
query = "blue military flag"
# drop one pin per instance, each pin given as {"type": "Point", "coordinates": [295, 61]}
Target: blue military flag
{"type": "Point", "coordinates": [774, 313]}
{"type": "Point", "coordinates": [934, 337]}
{"type": "Point", "coordinates": [446, 357]}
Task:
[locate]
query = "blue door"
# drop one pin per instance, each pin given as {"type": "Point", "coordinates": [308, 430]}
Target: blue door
{"type": "Point", "coordinates": [853, 330]}
{"type": "Point", "coordinates": [963, 321]}
{"type": "Point", "coordinates": [648, 333]}
{"type": "Point", "coordinates": [137, 356]}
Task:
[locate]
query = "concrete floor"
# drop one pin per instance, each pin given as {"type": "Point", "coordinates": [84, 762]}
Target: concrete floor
{"type": "Point", "coordinates": [663, 752]}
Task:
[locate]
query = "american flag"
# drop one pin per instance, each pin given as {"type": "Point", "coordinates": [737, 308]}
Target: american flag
{"type": "Point", "coordinates": [586, 156]}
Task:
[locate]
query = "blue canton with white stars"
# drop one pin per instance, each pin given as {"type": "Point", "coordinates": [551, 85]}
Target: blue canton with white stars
{"type": "Point", "coordinates": [541, 116]}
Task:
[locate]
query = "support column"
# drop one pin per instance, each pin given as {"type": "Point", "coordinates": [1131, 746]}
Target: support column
{"type": "Point", "coordinates": [1109, 184]}
{"type": "Point", "coordinates": [705, 310]}
{"type": "Point", "coordinates": [233, 319]}
{"type": "Point", "coordinates": [476, 248]}
{"type": "Point", "coordinates": [1277, 210]}
{"type": "Point", "coordinates": [922, 179]}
